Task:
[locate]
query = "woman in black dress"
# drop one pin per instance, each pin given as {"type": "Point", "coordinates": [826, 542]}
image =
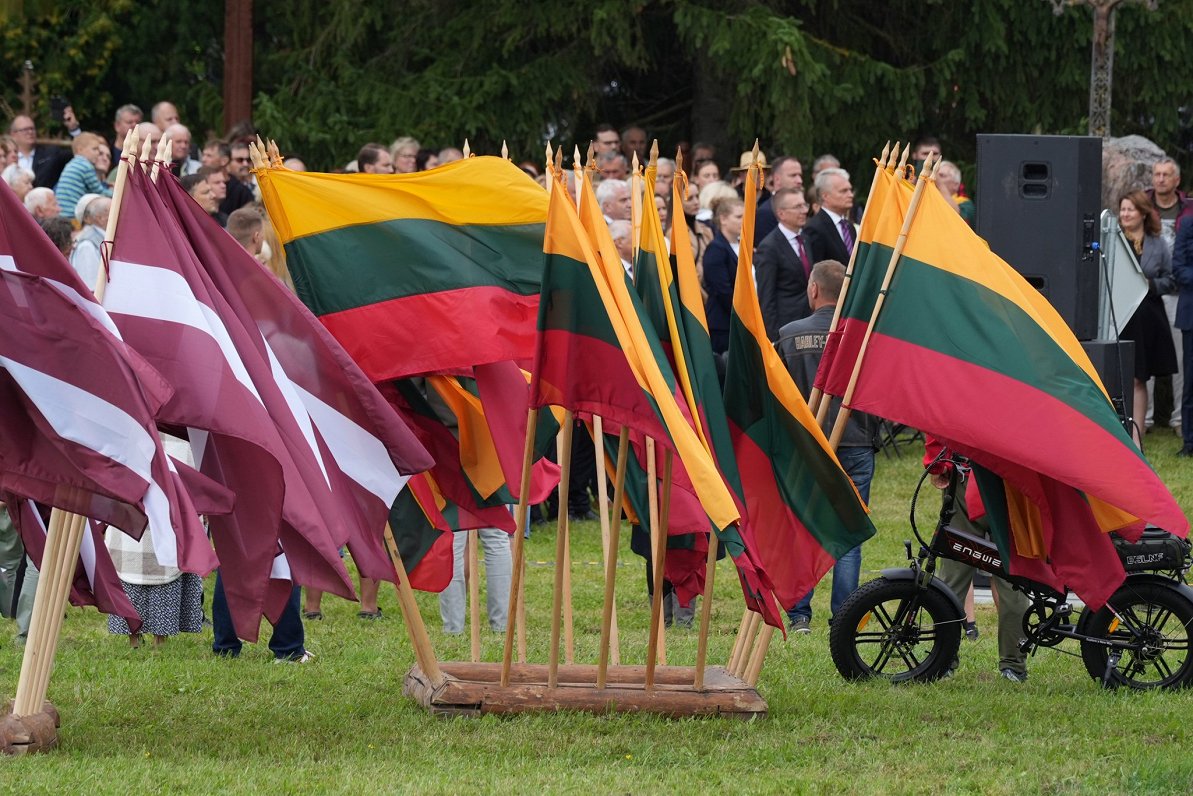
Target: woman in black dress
{"type": "Point", "coordinates": [1155, 354]}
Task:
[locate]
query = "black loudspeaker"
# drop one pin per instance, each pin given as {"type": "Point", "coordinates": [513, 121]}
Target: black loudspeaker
{"type": "Point", "coordinates": [1039, 199]}
{"type": "Point", "coordinates": [1115, 362]}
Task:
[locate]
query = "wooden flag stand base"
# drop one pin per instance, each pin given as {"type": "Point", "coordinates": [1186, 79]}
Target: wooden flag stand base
{"type": "Point", "coordinates": [474, 689]}
{"type": "Point", "coordinates": [22, 735]}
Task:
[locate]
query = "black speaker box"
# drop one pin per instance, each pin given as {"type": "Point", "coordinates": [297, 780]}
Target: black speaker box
{"type": "Point", "coordinates": [1115, 362]}
{"type": "Point", "coordinates": [1039, 198]}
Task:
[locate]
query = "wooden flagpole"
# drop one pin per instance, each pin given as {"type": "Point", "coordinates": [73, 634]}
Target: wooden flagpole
{"type": "Point", "coordinates": [636, 203]}
{"type": "Point", "coordinates": [815, 396]}
{"type": "Point", "coordinates": [738, 665]}
{"type": "Point", "coordinates": [754, 667]}
{"type": "Point", "coordinates": [474, 594]}
{"type": "Point", "coordinates": [623, 444]}
{"type": "Point", "coordinates": [424, 653]}
{"type": "Point", "coordinates": [561, 542]}
{"type": "Point", "coordinates": [598, 431]}
{"type": "Point", "coordinates": [655, 649]}
{"type": "Point", "coordinates": [843, 415]}
{"type": "Point", "coordinates": [739, 639]}
{"type": "Point", "coordinates": [710, 571]}
{"type": "Point", "coordinates": [519, 544]}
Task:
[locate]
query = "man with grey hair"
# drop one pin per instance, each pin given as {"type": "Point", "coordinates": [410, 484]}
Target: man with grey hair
{"type": "Point", "coordinates": [42, 203]}
{"type": "Point", "coordinates": [92, 212]}
{"type": "Point", "coordinates": [1174, 209]}
{"type": "Point", "coordinates": [623, 239]}
{"type": "Point", "coordinates": [664, 177]}
{"type": "Point", "coordinates": [149, 130]}
{"type": "Point", "coordinates": [450, 154]}
{"type": "Point", "coordinates": [614, 198]}
{"type": "Point", "coordinates": [1171, 203]}
{"type": "Point", "coordinates": [612, 166]}
{"type": "Point", "coordinates": [823, 162]}
{"type": "Point", "coordinates": [830, 233]}
{"type": "Point", "coordinates": [181, 162]}
{"type": "Point", "coordinates": [127, 117]}
{"type": "Point", "coordinates": [164, 114]}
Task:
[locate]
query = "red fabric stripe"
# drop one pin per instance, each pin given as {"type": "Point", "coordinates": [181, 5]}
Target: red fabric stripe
{"type": "Point", "coordinates": [965, 404]}
{"type": "Point", "coordinates": [795, 562]}
{"type": "Point", "coordinates": [422, 334]}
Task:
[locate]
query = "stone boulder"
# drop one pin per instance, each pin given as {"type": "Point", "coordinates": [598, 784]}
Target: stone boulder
{"type": "Point", "coordinates": [1126, 166]}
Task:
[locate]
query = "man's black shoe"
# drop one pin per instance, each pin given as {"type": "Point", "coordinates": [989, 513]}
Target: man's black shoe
{"type": "Point", "coordinates": [1185, 452]}
{"type": "Point", "coordinates": [587, 515]}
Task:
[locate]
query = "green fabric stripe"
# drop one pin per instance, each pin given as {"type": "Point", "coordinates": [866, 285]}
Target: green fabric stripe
{"type": "Point", "coordinates": [812, 485]}
{"type": "Point", "coordinates": [570, 301]}
{"type": "Point", "coordinates": [865, 282]}
{"type": "Point", "coordinates": [994, 498]}
{"type": "Point", "coordinates": [413, 533]}
{"type": "Point", "coordinates": [355, 266]}
{"type": "Point", "coordinates": [959, 318]}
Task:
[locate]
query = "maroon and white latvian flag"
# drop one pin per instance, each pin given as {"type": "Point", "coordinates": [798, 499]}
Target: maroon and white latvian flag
{"type": "Point", "coordinates": [96, 581]}
{"type": "Point", "coordinates": [250, 427]}
{"type": "Point", "coordinates": [362, 445]}
{"type": "Point", "coordinates": [90, 401]}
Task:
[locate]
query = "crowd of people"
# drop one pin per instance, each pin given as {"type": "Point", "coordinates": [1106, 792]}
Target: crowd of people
{"type": "Point", "coordinates": [804, 232]}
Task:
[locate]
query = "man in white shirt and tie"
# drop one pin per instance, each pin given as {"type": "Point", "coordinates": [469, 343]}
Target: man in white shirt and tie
{"type": "Point", "coordinates": [782, 263]}
{"type": "Point", "coordinates": [830, 233]}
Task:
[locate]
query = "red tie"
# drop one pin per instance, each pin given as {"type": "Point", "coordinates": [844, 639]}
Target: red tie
{"type": "Point", "coordinates": [803, 254]}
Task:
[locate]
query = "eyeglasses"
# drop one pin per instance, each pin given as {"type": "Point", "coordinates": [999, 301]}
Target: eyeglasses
{"type": "Point", "coordinates": [25, 130]}
{"type": "Point", "coordinates": [240, 160]}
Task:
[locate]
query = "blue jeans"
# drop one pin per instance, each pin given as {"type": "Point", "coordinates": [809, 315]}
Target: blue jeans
{"type": "Point", "coordinates": [858, 464]}
{"type": "Point", "coordinates": [287, 641]}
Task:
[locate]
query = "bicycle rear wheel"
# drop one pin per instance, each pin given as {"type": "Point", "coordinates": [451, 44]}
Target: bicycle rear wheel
{"type": "Point", "coordinates": [895, 630]}
{"type": "Point", "coordinates": [1155, 623]}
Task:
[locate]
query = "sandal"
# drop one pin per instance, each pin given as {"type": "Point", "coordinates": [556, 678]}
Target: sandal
{"type": "Point", "coordinates": [312, 614]}
{"type": "Point", "coordinates": [370, 615]}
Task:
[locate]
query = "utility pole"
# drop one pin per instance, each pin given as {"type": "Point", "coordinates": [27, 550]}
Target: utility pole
{"type": "Point", "coordinates": [1101, 71]}
{"type": "Point", "coordinates": [238, 62]}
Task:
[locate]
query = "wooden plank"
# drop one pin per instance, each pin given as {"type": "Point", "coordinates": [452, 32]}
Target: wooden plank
{"type": "Point", "coordinates": [475, 689]}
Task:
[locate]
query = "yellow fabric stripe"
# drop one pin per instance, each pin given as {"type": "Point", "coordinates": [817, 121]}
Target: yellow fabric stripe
{"type": "Point", "coordinates": [1027, 526]}
{"type": "Point", "coordinates": [706, 479]}
{"type": "Point", "coordinates": [685, 259]}
{"type": "Point", "coordinates": [479, 190]}
{"type": "Point", "coordinates": [478, 453]}
{"type": "Point", "coordinates": [940, 238]}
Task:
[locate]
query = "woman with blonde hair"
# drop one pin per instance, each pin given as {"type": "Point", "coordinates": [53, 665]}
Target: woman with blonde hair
{"type": "Point", "coordinates": [404, 152]}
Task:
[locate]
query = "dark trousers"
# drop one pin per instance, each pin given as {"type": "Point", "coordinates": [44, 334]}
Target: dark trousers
{"type": "Point", "coordinates": [582, 478]}
{"type": "Point", "coordinates": [287, 641]}
{"type": "Point", "coordinates": [1186, 406]}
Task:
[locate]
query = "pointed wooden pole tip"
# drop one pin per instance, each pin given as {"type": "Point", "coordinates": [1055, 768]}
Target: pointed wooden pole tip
{"type": "Point", "coordinates": [505, 150]}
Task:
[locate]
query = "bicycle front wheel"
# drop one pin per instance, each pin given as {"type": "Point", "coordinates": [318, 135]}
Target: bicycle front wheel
{"type": "Point", "coordinates": [895, 630]}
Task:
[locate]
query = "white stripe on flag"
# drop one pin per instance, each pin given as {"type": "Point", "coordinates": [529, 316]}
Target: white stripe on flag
{"type": "Point", "coordinates": [87, 554]}
{"type": "Point", "coordinates": [159, 294]}
{"type": "Point", "coordinates": [86, 419]}
{"type": "Point", "coordinates": [297, 410]}
{"type": "Point", "coordinates": [360, 455]}
{"type": "Point", "coordinates": [280, 569]}
{"type": "Point", "coordinates": [86, 303]}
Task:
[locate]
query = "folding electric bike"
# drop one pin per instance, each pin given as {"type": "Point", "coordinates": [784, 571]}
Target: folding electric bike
{"type": "Point", "coordinates": [906, 625]}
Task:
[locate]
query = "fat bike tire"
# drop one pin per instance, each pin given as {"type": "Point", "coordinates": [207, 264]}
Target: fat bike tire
{"type": "Point", "coordinates": [895, 630]}
{"type": "Point", "coordinates": [1157, 622]}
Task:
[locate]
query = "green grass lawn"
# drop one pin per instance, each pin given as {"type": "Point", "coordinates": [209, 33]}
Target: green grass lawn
{"type": "Point", "coordinates": [176, 719]}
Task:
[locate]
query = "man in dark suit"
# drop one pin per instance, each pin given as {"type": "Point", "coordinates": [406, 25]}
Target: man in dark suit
{"type": "Point", "coordinates": [46, 162]}
{"type": "Point", "coordinates": [786, 172]}
{"type": "Point", "coordinates": [782, 263]}
{"type": "Point", "coordinates": [830, 233]}
{"type": "Point", "coordinates": [1182, 269]}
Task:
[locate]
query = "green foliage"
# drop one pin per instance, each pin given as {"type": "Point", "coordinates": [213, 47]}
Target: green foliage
{"type": "Point", "coordinates": [804, 76]}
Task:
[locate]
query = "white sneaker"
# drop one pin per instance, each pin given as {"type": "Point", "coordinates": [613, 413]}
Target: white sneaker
{"type": "Point", "coordinates": [307, 657]}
